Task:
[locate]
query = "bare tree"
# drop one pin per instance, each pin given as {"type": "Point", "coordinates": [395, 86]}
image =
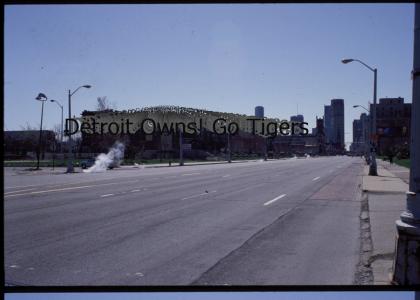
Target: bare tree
{"type": "Point", "coordinates": [104, 104]}
{"type": "Point", "coordinates": [28, 127]}
{"type": "Point", "coordinates": [57, 130]}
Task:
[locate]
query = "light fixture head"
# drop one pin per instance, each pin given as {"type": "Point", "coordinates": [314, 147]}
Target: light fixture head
{"type": "Point", "coordinates": [41, 97]}
{"type": "Point", "coordinates": [346, 61]}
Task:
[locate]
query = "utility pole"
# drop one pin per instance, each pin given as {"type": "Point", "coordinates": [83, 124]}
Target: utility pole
{"type": "Point", "coordinates": [407, 258]}
{"type": "Point", "coordinates": [181, 149]}
{"type": "Point", "coordinates": [373, 167]}
{"type": "Point", "coordinates": [373, 170]}
{"type": "Point", "coordinates": [41, 97]}
{"type": "Point", "coordinates": [266, 148]}
{"type": "Point", "coordinates": [229, 152]}
{"type": "Point", "coordinates": [70, 168]}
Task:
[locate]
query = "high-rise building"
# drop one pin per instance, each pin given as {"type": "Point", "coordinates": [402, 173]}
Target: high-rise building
{"type": "Point", "coordinates": [358, 145]}
{"type": "Point", "coordinates": [259, 112]}
{"type": "Point", "coordinates": [357, 131]}
{"type": "Point", "coordinates": [366, 127]}
{"type": "Point", "coordinates": [337, 122]}
{"type": "Point", "coordinates": [327, 123]}
{"type": "Point", "coordinates": [297, 118]}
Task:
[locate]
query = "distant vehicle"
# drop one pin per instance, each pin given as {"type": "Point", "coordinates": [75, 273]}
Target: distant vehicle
{"type": "Point", "coordinates": [87, 163]}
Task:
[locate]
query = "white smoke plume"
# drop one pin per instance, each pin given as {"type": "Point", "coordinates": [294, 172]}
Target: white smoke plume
{"type": "Point", "coordinates": [112, 158]}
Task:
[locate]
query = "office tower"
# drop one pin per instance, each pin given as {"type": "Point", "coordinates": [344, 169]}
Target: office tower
{"type": "Point", "coordinates": [259, 112]}
{"type": "Point", "coordinates": [337, 122]}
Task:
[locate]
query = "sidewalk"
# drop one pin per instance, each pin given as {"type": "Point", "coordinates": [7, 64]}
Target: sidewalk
{"type": "Point", "coordinates": [387, 200]}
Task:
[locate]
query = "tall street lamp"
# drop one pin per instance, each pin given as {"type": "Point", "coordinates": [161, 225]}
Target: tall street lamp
{"type": "Point", "coordinates": [407, 262]}
{"type": "Point", "coordinates": [70, 168]}
{"type": "Point", "coordinates": [373, 170]}
{"type": "Point", "coordinates": [62, 130]}
{"type": "Point", "coordinates": [41, 97]}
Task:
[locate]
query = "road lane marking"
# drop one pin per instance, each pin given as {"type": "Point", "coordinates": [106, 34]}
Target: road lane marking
{"type": "Point", "coordinates": [198, 195]}
{"type": "Point", "coordinates": [224, 176]}
{"type": "Point", "coordinates": [316, 178]}
{"type": "Point", "coordinates": [20, 186]}
{"type": "Point", "coordinates": [274, 200]}
{"type": "Point", "coordinates": [12, 192]}
{"type": "Point", "coordinates": [67, 188]}
{"type": "Point", "coordinates": [133, 191]}
{"type": "Point", "coordinates": [107, 195]}
{"type": "Point", "coordinates": [251, 187]}
{"type": "Point", "coordinates": [55, 190]}
{"type": "Point", "coordinates": [189, 174]}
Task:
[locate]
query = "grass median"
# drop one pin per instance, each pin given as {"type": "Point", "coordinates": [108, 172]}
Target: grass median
{"type": "Point", "coordinates": [401, 162]}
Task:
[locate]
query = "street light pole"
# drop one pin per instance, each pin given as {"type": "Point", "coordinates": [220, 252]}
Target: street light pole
{"type": "Point", "coordinates": [70, 168]}
{"type": "Point", "coordinates": [62, 128]}
{"type": "Point", "coordinates": [407, 262]}
{"type": "Point", "coordinates": [181, 149]}
{"type": "Point", "coordinates": [229, 150]}
{"type": "Point", "coordinates": [41, 97]}
{"type": "Point", "coordinates": [373, 171]}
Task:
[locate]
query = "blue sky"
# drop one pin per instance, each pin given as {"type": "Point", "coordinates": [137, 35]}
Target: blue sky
{"type": "Point", "coordinates": [219, 295]}
{"type": "Point", "coordinates": [227, 57]}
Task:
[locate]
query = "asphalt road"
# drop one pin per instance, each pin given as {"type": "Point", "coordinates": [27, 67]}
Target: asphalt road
{"type": "Point", "coordinates": [281, 222]}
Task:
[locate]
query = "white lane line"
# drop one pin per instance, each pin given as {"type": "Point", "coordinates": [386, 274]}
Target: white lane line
{"type": "Point", "coordinates": [133, 191]}
{"type": "Point", "coordinates": [189, 174]}
{"type": "Point", "coordinates": [20, 186]}
{"type": "Point", "coordinates": [198, 195]}
{"type": "Point", "coordinates": [250, 187]}
{"type": "Point", "coordinates": [68, 188]}
{"type": "Point", "coordinates": [55, 190]}
{"type": "Point", "coordinates": [19, 191]}
{"type": "Point", "coordinates": [274, 200]}
{"type": "Point", "coordinates": [224, 176]}
{"type": "Point", "coordinates": [107, 195]}
{"type": "Point", "coordinates": [316, 178]}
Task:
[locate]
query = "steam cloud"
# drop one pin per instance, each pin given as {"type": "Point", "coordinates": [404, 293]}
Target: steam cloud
{"type": "Point", "coordinates": [103, 161]}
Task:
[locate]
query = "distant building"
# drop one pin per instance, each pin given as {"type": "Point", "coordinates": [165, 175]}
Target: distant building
{"type": "Point", "coordinates": [297, 118]}
{"type": "Point", "coordinates": [334, 126]}
{"type": "Point", "coordinates": [366, 127]}
{"type": "Point", "coordinates": [312, 144]}
{"type": "Point", "coordinates": [357, 131]}
{"type": "Point", "coordinates": [259, 112]}
{"type": "Point", "coordinates": [327, 123]}
{"type": "Point", "coordinates": [337, 122]}
{"type": "Point", "coordinates": [393, 118]}
{"type": "Point", "coordinates": [358, 145]}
